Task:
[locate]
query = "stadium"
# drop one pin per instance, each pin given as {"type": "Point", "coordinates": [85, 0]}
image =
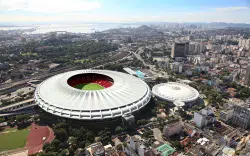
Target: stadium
{"type": "Point", "coordinates": [92, 94]}
{"type": "Point", "coordinates": [176, 93]}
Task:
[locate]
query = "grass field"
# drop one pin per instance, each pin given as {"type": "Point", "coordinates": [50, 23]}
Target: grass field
{"type": "Point", "coordinates": [89, 86]}
{"type": "Point", "coordinates": [13, 140]}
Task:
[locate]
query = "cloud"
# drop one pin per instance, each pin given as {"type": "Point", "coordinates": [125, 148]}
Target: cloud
{"type": "Point", "coordinates": [72, 11]}
{"type": "Point", "coordinates": [226, 9]}
{"type": "Point", "coordinates": [48, 6]}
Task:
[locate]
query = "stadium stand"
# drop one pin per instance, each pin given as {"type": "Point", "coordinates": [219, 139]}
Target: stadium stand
{"type": "Point", "coordinates": [99, 79]}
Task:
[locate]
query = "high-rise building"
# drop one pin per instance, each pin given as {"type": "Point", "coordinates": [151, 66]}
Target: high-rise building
{"type": "Point", "coordinates": [179, 49]}
{"type": "Point", "coordinates": [241, 115]}
{"type": "Point", "coordinates": [204, 117]}
{"type": "Point", "coordinates": [244, 43]}
{"type": "Point", "coordinates": [247, 76]}
{"type": "Point", "coordinates": [196, 48]}
{"type": "Point", "coordinates": [240, 42]}
{"type": "Point", "coordinates": [191, 49]}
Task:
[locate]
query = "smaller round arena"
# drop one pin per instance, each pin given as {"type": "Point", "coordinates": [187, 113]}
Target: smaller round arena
{"type": "Point", "coordinates": [174, 91]}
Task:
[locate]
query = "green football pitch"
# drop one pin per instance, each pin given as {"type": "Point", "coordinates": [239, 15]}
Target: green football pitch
{"type": "Point", "coordinates": [89, 86]}
{"type": "Point", "coordinates": [13, 139]}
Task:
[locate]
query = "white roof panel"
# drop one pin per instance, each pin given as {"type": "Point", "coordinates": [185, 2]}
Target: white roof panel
{"type": "Point", "coordinates": [126, 90]}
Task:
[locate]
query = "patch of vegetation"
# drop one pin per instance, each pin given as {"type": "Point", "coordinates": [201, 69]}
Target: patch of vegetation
{"type": "Point", "coordinates": [81, 61]}
{"type": "Point", "coordinates": [29, 54]}
{"type": "Point", "coordinates": [13, 140]}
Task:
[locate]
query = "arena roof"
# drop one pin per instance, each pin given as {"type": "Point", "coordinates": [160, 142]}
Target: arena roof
{"type": "Point", "coordinates": [127, 94]}
{"type": "Point", "coordinates": [173, 91]}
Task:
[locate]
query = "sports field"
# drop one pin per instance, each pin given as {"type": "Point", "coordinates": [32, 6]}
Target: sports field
{"type": "Point", "coordinates": [89, 86]}
{"type": "Point", "coordinates": [13, 139]}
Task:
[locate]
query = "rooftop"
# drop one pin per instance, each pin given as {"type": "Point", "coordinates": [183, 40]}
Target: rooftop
{"type": "Point", "coordinates": [166, 150]}
{"type": "Point", "coordinates": [174, 91]}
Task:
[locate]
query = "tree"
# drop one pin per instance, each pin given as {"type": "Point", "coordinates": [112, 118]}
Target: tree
{"type": "Point", "coordinates": [119, 147]}
{"type": "Point", "coordinates": [12, 119]}
{"type": "Point", "coordinates": [142, 122]}
{"type": "Point", "coordinates": [61, 134]}
{"type": "Point", "coordinates": [23, 118]}
{"type": "Point", "coordinates": [90, 136]}
{"type": "Point", "coordinates": [55, 145]}
{"type": "Point", "coordinates": [118, 129]}
{"type": "Point", "coordinates": [219, 98]}
{"type": "Point", "coordinates": [176, 144]}
{"type": "Point", "coordinates": [64, 152]}
{"type": "Point", "coordinates": [46, 147]}
{"type": "Point", "coordinates": [105, 136]}
{"type": "Point", "coordinates": [61, 125]}
{"type": "Point", "coordinates": [2, 120]}
{"type": "Point", "coordinates": [195, 108]}
{"type": "Point", "coordinates": [147, 134]}
{"type": "Point", "coordinates": [82, 144]}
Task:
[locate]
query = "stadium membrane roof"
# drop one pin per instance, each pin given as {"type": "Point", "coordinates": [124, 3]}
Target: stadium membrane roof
{"type": "Point", "coordinates": [174, 91]}
{"type": "Point", "coordinates": [127, 94]}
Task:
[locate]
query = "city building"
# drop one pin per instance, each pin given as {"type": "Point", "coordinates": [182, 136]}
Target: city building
{"type": "Point", "coordinates": [176, 67]}
{"type": "Point", "coordinates": [241, 115]}
{"type": "Point", "coordinates": [204, 117]}
{"type": "Point", "coordinates": [247, 76]}
{"type": "Point", "coordinates": [179, 49]}
{"type": "Point", "coordinates": [196, 48]}
{"type": "Point", "coordinates": [227, 113]}
{"type": "Point", "coordinates": [137, 145]}
{"type": "Point", "coordinates": [172, 128]}
{"type": "Point", "coordinates": [96, 149]}
{"type": "Point", "coordinates": [244, 43]}
{"type": "Point", "coordinates": [134, 142]}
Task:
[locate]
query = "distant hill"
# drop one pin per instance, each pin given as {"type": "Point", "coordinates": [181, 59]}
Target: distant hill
{"type": "Point", "coordinates": [144, 29]}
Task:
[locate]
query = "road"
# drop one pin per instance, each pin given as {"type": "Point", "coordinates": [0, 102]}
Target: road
{"type": "Point", "coordinates": [138, 56]}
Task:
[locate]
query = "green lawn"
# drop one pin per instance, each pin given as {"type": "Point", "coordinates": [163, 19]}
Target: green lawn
{"type": "Point", "coordinates": [13, 140]}
{"type": "Point", "coordinates": [89, 86]}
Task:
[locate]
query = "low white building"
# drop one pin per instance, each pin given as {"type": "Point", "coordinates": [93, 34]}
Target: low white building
{"type": "Point", "coordinates": [134, 141]}
{"type": "Point", "coordinates": [142, 149]}
{"type": "Point", "coordinates": [137, 145]}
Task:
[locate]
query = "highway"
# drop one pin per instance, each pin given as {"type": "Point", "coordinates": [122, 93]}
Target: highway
{"type": "Point", "coordinates": [31, 111]}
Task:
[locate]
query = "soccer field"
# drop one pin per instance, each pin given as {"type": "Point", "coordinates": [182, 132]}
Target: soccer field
{"type": "Point", "coordinates": [13, 139]}
{"type": "Point", "coordinates": [89, 86]}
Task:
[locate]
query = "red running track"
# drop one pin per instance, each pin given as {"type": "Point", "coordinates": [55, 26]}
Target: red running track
{"type": "Point", "coordinates": [35, 138]}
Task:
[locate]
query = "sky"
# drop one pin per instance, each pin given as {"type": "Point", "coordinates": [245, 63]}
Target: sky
{"type": "Point", "coordinates": [123, 11]}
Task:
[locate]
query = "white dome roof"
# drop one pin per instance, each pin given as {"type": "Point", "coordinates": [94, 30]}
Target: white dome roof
{"type": "Point", "coordinates": [126, 95]}
{"type": "Point", "coordinates": [173, 91]}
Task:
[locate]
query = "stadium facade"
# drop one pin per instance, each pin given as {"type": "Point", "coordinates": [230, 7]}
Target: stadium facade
{"type": "Point", "coordinates": [119, 94]}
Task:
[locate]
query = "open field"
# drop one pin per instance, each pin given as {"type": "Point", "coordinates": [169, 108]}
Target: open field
{"type": "Point", "coordinates": [13, 139]}
{"type": "Point", "coordinates": [89, 86]}
{"type": "Point", "coordinates": [9, 129]}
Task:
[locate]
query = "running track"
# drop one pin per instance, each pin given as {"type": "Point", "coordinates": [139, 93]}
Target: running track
{"type": "Point", "coordinates": [35, 138]}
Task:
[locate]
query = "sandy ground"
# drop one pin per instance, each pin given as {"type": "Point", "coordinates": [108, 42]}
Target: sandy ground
{"type": "Point", "coordinates": [22, 153]}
